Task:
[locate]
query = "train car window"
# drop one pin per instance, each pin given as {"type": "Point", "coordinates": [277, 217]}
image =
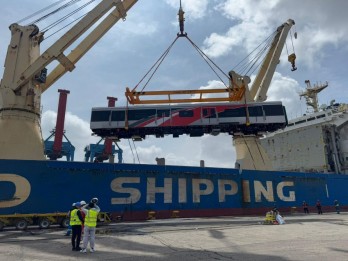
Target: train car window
{"type": "Point", "coordinates": [100, 115]}
{"type": "Point", "coordinates": [273, 110]}
{"type": "Point", "coordinates": [163, 113]}
{"type": "Point", "coordinates": [255, 111]}
{"type": "Point", "coordinates": [118, 116]}
{"type": "Point", "coordinates": [186, 113]}
{"type": "Point", "coordinates": [141, 114]}
{"type": "Point", "coordinates": [238, 112]}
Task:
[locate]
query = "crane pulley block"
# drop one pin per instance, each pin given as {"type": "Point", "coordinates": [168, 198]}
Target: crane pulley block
{"type": "Point", "coordinates": [291, 59]}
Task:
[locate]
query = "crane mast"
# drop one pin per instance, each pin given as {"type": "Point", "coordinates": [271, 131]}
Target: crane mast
{"type": "Point", "coordinates": [25, 78]}
{"type": "Point", "coordinates": [250, 154]}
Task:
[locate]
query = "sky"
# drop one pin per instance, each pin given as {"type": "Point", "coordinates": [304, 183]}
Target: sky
{"type": "Point", "coordinates": [226, 30]}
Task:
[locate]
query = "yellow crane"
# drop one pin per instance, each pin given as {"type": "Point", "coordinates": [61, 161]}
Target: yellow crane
{"type": "Point", "coordinates": [24, 78]}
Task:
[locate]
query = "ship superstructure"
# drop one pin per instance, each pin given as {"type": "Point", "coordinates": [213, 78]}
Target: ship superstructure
{"type": "Point", "coordinates": [315, 142]}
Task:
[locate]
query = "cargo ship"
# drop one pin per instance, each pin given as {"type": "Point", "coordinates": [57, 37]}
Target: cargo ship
{"type": "Point", "coordinates": [314, 142]}
{"type": "Point", "coordinates": [29, 183]}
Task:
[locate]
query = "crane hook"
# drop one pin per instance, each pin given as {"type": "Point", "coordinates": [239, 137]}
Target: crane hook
{"type": "Point", "coordinates": [291, 59]}
{"type": "Point", "coordinates": [181, 21]}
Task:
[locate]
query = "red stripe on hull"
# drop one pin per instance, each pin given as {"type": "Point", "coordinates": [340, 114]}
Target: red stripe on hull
{"type": "Point", "coordinates": [165, 214]}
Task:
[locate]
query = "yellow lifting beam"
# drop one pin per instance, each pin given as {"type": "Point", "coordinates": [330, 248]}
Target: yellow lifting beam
{"type": "Point", "coordinates": [234, 94]}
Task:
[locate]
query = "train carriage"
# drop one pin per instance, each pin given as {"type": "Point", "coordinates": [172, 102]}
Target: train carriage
{"type": "Point", "coordinates": [191, 119]}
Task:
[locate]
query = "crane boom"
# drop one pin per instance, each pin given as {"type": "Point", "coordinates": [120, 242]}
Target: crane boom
{"type": "Point", "coordinates": [56, 51]}
{"type": "Point", "coordinates": [90, 40]}
{"type": "Point", "coordinates": [263, 79]}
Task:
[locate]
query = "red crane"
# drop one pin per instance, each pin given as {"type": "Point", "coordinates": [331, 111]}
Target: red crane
{"type": "Point", "coordinates": [57, 149]}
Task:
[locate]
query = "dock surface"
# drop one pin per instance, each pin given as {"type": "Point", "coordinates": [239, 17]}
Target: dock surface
{"type": "Point", "coordinates": [303, 237]}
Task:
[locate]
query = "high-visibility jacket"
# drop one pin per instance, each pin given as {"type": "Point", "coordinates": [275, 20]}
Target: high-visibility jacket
{"type": "Point", "coordinates": [74, 219]}
{"type": "Point", "coordinates": [91, 218]}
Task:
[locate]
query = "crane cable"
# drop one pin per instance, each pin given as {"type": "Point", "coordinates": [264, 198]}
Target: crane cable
{"type": "Point", "coordinates": [71, 2]}
{"type": "Point", "coordinates": [62, 19]}
{"type": "Point", "coordinates": [39, 11]}
{"type": "Point", "coordinates": [207, 60]}
{"type": "Point", "coordinates": [156, 65]}
{"type": "Point", "coordinates": [243, 66]}
{"type": "Point", "coordinates": [259, 58]}
{"type": "Point", "coordinates": [65, 26]}
{"type": "Point", "coordinates": [136, 151]}
{"type": "Point", "coordinates": [130, 146]}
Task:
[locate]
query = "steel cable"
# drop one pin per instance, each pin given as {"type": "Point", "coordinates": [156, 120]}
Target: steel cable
{"type": "Point", "coordinates": [136, 152]}
{"type": "Point", "coordinates": [160, 60]}
{"type": "Point", "coordinates": [67, 16]}
{"type": "Point", "coordinates": [65, 26]}
{"type": "Point", "coordinates": [206, 59]}
{"type": "Point", "coordinates": [130, 146]}
{"type": "Point", "coordinates": [242, 66]}
{"type": "Point", "coordinates": [71, 2]}
{"type": "Point", "coordinates": [258, 57]}
{"type": "Point", "coordinates": [40, 11]}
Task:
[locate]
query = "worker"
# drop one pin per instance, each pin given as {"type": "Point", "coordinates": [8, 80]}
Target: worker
{"type": "Point", "coordinates": [337, 206]}
{"type": "Point", "coordinates": [318, 205]}
{"type": "Point", "coordinates": [91, 210]}
{"type": "Point", "coordinates": [305, 207]}
{"type": "Point", "coordinates": [83, 203]}
{"type": "Point", "coordinates": [76, 221]}
{"type": "Point", "coordinates": [68, 232]}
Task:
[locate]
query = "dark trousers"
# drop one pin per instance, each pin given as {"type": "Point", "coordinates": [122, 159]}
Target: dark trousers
{"type": "Point", "coordinates": [319, 210]}
{"type": "Point", "coordinates": [337, 209]}
{"type": "Point", "coordinates": [76, 236]}
{"type": "Point", "coordinates": [306, 210]}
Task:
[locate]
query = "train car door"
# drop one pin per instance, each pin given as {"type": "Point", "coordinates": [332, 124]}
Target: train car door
{"type": "Point", "coordinates": [162, 116]}
{"type": "Point", "coordinates": [209, 116]}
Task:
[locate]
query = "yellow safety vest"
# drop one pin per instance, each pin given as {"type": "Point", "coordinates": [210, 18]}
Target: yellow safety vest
{"type": "Point", "coordinates": [74, 219]}
{"type": "Point", "coordinates": [91, 218]}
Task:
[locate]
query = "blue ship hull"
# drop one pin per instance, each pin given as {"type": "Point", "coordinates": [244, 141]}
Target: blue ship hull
{"type": "Point", "coordinates": [131, 191]}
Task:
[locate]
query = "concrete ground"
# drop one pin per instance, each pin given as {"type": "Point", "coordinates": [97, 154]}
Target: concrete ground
{"type": "Point", "coordinates": [303, 237]}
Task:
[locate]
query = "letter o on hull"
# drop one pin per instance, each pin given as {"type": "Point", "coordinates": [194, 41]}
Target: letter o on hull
{"type": "Point", "coordinates": [22, 191]}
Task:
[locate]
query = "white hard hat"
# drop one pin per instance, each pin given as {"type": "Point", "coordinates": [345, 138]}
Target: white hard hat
{"type": "Point", "coordinates": [83, 202]}
{"type": "Point", "coordinates": [94, 200]}
{"type": "Point", "coordinates": [73, 204]}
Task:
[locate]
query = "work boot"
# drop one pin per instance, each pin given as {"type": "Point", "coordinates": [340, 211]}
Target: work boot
{"type": "Point", "coordinates": [83, 250]}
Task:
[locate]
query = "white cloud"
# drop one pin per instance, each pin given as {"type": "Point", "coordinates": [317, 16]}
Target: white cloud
{"type": "Point", "coordinates": [313, 40]}
{"type": "Point", "coordinates": [77, 131]}
{"type": "Point", "coordinates": [286, 89]}
{"type": "Point", "coordinates": [247, 10]}
{"type": "Point", "coordinates": [253, 23]}
{"type": "Point", "coordinates": [194, 9]}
